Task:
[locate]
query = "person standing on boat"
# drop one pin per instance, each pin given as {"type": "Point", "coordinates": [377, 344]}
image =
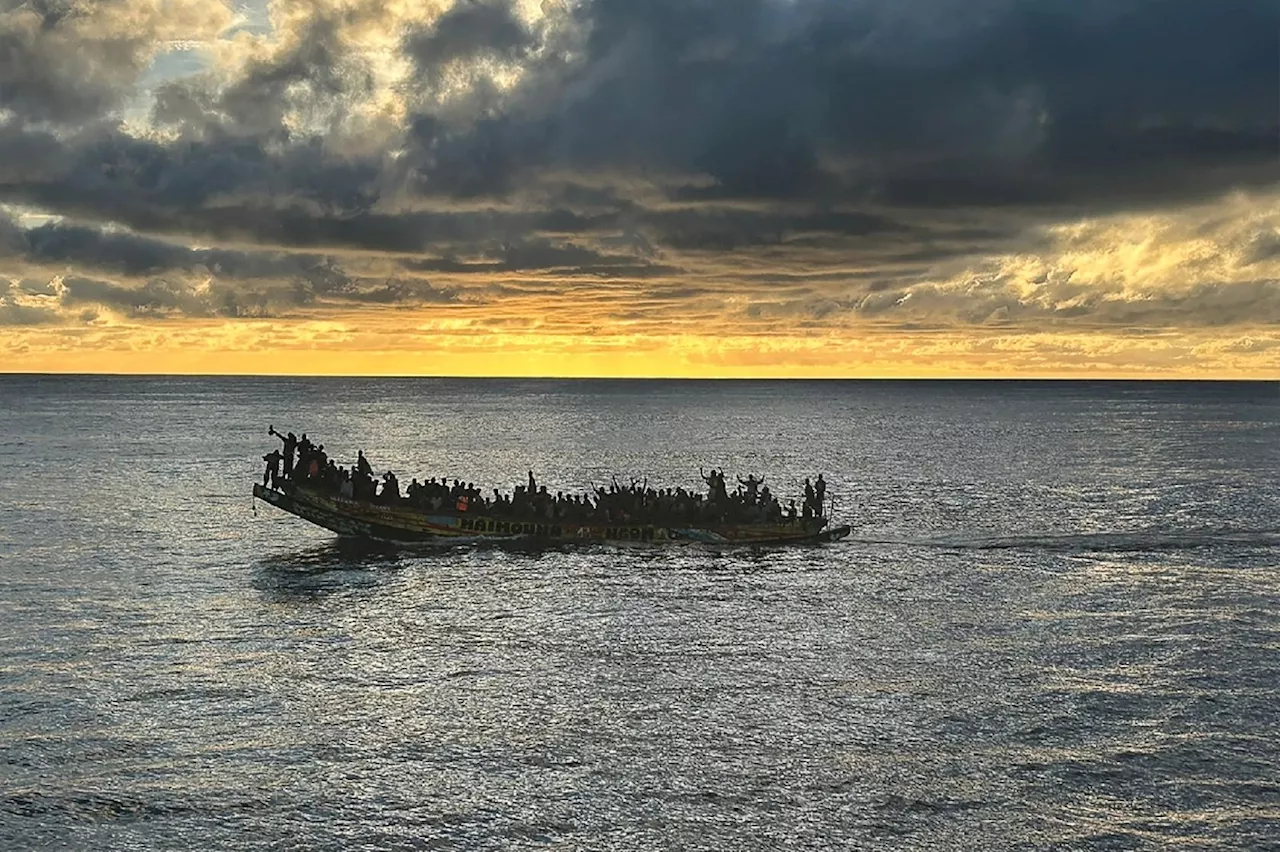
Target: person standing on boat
{"type": "Point", "coordinates": [716, 490]}
{"type": "Point", "coordinates": [390, 488]}
{"type": "Point", "coordinates": [819, 495]}
{"type": "Point", "coordinates": [302, 465]}
{"type": "Point", "coordinates": [272, 473]}
{"type": "Point", "coordinates": [362, 464]}
{"type": "Point", "coordinates": [809, 495]}
{"type": "Point", "coordinates": [752, 485]}
{"type": "Point", "coordinates": [290, 446]}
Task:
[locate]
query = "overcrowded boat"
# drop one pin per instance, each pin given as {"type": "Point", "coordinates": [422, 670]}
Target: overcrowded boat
{"type": "Point", "coordinates": [300, 478]}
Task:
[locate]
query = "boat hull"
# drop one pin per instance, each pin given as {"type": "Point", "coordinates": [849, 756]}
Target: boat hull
{"type": "Point", "coordinates": [413, 526]}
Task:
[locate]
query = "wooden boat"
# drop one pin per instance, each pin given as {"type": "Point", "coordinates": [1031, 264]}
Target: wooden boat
{"type": "Point", "coordinates": [409, 524]}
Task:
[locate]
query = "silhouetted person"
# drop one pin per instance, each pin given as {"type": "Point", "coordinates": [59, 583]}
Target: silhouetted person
{"type": "Point", "coordinates": [819, 494]}
{"type": "Point", "coordinates": [716, 490]}
{"type": "Point", "coordinates": [390, 487]}
{"type": "Point", "coordinates": [362, 464]}
{"type": "Point", "coordinates": [272, 473]}
{"type": "Point", "coordinates": [302, 468]}
{"type": "Point", "coordinates": [290, 446]}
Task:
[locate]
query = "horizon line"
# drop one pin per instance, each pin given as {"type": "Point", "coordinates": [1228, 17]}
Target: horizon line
{"type": "Point", "coordinates": [597, 378]}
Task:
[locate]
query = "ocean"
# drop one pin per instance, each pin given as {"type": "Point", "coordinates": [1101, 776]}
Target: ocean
{"type": "Point", "coordinates": [1056, 624]}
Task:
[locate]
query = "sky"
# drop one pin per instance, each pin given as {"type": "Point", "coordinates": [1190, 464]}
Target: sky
{"type": "Point", "coordinates": [764, 188]}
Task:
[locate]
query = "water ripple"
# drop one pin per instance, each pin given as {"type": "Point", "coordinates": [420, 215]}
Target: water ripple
{"type": "Point", "coordinates": [1055, 627]}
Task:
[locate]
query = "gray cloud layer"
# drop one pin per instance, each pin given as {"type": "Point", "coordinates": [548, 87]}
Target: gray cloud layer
{"type": "Point", "coordinates": [638, 136]}
{"type": "Point", "coordinates": [987, 102]}
{"type": "Point", "coordinates": [140, 276]}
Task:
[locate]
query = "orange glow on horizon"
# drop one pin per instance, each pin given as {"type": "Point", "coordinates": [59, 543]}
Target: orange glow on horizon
{"type": "Point", "coordinates": [233, 349]}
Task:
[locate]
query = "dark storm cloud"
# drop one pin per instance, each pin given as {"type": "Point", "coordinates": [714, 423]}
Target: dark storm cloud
{"type": "Point", "coordinates": [161, 296]}
{"type": "Point", "coordinates": [153, 297]}
{"type": "Point", "coordinates": [71, 62]}
{"type": "Point", "coordinates": [316, 72]}
{"type": "Point", "coordinates": [128, 254]}
{"type": "Point", "coordinates": [746, 122]}
{"type": "Point", "coordinates": [725, 230]}
{"type": "Point", "coordinates": [49, 72]}
{"type": "Point", "coordinates": [133, 255]}
{"type": "Point", "coordinates": [469, 29]}
{"type": "Point", "coordinates": [159, 277]}
{"type": "Point", "coordinates": [77, 295]}
{"type": "Point", "coordinates": [546, 257]}
{"type": "Point", "coordinates": [225, 187]}
{"type": "Point", "coordinates": [1010, 103]}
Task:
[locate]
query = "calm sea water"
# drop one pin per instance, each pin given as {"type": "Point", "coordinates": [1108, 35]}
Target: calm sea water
{"type": "Point", "coordinates": [1056, 624]}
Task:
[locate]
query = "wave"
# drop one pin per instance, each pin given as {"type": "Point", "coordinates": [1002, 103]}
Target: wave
{"type": "Point", "coordinates": [1128, 541]}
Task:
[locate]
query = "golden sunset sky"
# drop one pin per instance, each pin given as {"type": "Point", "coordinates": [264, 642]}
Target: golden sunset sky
{"type": "Point", "coordinates": [819, 188]}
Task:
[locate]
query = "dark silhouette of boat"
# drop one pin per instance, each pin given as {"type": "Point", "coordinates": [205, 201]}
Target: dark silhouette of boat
{"type": "Point", "coordinates": [409, 524]}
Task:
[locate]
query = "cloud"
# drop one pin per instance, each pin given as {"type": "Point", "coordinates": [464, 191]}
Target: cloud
{"type": "Point", "coordinates": [70, 62]}
{"type": "Point", "coordinates": [801, 164]}
{"type": "Point", "coordinates": [469, 29]}
{"type": "Point", "coordinates": [26, 303]}
{"type": "Point", "coordinates": [154, 277]}
{"type": "Point", "coordinates": [546, 256]}
{"type": "Point", "coordinates": [1007, 104]}
{"type": "Point", "coordinates": [1199, 268]}
{"type": "Point", "coordinates": [1206, 266]}
{"type": "Point", "coordinates": [1084, 106]}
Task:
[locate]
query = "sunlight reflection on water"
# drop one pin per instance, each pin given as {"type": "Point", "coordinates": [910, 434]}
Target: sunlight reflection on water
{"type": "Point", "coordinates": [1055, 625]}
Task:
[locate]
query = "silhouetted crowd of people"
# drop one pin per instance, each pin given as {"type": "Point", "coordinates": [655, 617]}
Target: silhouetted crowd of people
{"type": "Point", "coordinates": [302, 462]}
